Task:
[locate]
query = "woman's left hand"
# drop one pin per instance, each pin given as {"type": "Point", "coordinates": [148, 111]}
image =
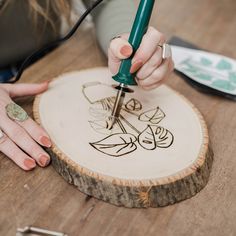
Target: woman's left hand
{"type": "Point", "coordinates": [151, 69]}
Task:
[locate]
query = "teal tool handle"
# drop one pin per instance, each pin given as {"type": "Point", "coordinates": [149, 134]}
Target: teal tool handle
{"type": "Point", "coordinates": [139, 28]}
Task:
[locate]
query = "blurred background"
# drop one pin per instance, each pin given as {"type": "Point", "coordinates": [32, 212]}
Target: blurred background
{"type": "Point", "coordinates": [205, 23]}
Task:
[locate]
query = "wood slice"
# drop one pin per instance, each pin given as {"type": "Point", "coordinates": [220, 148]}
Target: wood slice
{"type": "Point", "coordinates": [156, 154]}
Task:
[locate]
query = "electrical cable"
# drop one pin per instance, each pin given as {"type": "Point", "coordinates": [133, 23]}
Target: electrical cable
{"type": "Point", "coordinates": [55, 43]}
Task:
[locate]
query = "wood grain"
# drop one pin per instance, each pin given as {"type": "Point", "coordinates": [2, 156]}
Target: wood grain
{"type": "Point", "coordinates": [137, 192]}
{"type": "Point", "coordinates": [42, 198]}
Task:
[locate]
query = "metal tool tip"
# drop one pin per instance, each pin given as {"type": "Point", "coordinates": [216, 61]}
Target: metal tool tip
{"type": "Point", "coordinates": [110, 122]}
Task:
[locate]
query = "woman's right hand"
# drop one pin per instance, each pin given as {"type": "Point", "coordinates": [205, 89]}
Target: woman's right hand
{"type": "Point", "coordinates": [21, 140]}
{"type": "Point", "coordinates": [150, 68]}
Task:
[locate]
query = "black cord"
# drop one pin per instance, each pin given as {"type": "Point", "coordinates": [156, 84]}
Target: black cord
{"type": "Point", "coordinates": [53, 44]}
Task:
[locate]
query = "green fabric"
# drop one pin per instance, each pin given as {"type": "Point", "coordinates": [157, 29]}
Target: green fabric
{"type": "Point", "coordinates": [19, 37]}
{"type": "Point", "coordinates": [111, 18]}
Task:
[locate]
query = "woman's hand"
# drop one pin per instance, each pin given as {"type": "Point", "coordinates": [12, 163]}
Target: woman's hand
{"type": "Point", "coordinates": [21, 140]}
{"type": "Point", "coordinates": [151, 69]}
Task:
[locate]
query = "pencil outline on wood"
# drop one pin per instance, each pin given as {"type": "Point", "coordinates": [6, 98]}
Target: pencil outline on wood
{"type": "Point", "coordinates": [118, 141]}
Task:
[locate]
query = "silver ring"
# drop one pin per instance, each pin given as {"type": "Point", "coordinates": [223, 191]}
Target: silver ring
{"type": "Point", "coordinates": [16, 113]}
{"type": "Point", "coordinates": [166, 51]}
{"type": "Point", "coordinates": [2, 137]}
{"type": "Point", "coordinates": [1, 134]}
{"type": "Point", "coordinates": [115, 37]}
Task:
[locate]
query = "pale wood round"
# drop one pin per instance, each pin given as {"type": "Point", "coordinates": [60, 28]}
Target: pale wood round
{"type": "Point", "coordinates": [157, 153]}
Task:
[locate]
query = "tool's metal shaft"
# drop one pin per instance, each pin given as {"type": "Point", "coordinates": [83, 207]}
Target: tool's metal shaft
{"type": "Point", "coordinates": [124, 76]}
{"type": "Point", "coordinates": [117, 106]}
{"type": "Point", "coordinates": [35, 230]}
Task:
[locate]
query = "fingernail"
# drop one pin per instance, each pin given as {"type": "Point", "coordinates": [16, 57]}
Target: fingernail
{"type": "Point", "coordinates": [48, 81]}
{"type": "Point", "coordinates": [126, 50]}
{"type": "Point", "coordinates": [136, 65]}
{"type": "Point", "coordinates": [29, 163]}
{"type": "Point", "coordinates": [45, 141]}
{"type": "Point", "coordinates": [44, 160]}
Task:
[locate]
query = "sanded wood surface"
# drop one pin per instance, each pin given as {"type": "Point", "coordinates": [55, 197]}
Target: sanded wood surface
{"type": "Point", "coordinates": [170, 168]}
{"type": "Point", "coordinates": [42, 198]}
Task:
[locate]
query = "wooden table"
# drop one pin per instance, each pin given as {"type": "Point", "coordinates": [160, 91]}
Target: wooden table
{"type": "Point", "coordinates": [42, 198]}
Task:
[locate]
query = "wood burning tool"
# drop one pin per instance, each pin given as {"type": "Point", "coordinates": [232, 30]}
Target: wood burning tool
{"type": "Point", "coordinates": [124, 77]}
{"type": "Point", "coordinates": [29, 230]}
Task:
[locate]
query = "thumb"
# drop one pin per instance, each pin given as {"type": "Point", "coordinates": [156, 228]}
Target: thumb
{"type": "Point", "coordinates": [120, 48]}
{"type": "Point", "coordinates": [19, 90]}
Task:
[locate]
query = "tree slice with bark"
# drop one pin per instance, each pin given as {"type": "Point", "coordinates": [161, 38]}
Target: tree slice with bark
{"type": "Point", "coordinates": [157, 153]}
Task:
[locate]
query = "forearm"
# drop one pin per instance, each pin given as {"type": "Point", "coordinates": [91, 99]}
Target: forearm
{"type": "Point", "coordinates": [111, 18]}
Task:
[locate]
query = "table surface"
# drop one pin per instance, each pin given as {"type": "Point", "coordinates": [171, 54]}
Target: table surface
{"type": "Point", "coordinates": [42, 198]}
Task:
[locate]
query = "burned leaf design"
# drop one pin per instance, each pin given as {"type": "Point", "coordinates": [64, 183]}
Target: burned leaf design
{"type": "Point", "coordinates": [164, 138]}
{"type": "Point", "coordinates": [116, 145]}
{"type": "Point", "coordinates": [153, 116]}
{"type": "Point", "coordinates": [99, 110]}
{"type": "Point", "coordinates": [133, 105]}
{"type": "Point", "coordinates": [155, 136]}
{"type": "Point", "coordinates": [147, 139]}
{"type": "Point", "coordinates": [120, 140]}
{"type": "Point", "coordinates": [100, 126]}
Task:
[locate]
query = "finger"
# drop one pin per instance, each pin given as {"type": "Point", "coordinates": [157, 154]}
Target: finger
{"type": "Point", "coordinates": [158, 75]}
{"type": "Point", "coordinates": [113, 62]}
{"type": "Point", "coordinates": [151, 65]}
{"type": "Point", "coordinates": [18, 90]}
{"type": "Point", "coordinates": [120, 48]}
{"type": "Point", "coordinates": [154, 86]}
{"type": "Point", "coordinates": [171, 65]}
{"type": "Point", "coordinates": [147, 47]}
{"type": "Point", "coordinates": [10, 149]}
{"type": "Point", "coordinates": [22, 139]}
{"type": "Point", "coordinates": [36, 132]}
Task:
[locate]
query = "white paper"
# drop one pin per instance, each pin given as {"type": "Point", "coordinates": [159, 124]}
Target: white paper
{"type": "Point", "coordinates": [213, 70]}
